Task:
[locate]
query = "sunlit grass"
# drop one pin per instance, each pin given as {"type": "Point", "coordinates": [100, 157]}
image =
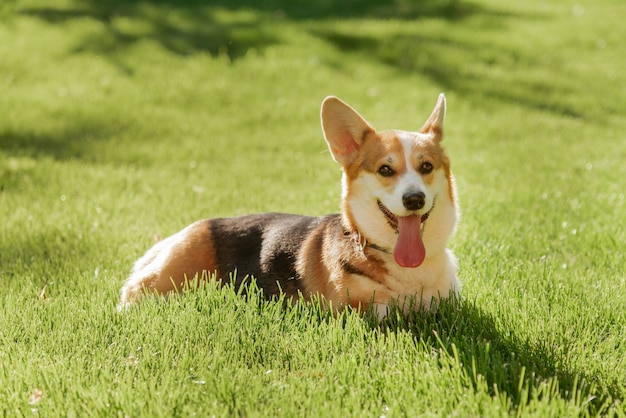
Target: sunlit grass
{"type": "Point", "coordinates": [122, 122]}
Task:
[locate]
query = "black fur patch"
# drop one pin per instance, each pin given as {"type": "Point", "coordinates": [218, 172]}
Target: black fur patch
{"type": "Point", "coordinates": [351, 269]}
{"type": "Point", "coordinates": [265, 246]}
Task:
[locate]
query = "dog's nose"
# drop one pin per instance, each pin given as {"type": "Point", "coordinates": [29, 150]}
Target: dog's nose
{"type": "Point", "coordinates": [414, 200]}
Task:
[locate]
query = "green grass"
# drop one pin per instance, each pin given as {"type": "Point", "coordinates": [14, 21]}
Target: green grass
{"type": "Point", "coordinates": [121, 121]}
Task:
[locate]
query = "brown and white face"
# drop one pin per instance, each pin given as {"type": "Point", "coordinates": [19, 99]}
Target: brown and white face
{"type": "Point", "coordinates": [391, 179]}
{"type": "Point", "coordinates": [404, 171]}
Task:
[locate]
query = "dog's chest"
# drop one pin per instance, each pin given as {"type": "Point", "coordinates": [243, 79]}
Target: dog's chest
{"type": "Point", "coordinates": [411, 281]}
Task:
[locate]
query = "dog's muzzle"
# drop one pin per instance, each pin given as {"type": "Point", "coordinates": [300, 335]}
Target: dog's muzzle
{"type": "Point", "coordinates": [392, 219]}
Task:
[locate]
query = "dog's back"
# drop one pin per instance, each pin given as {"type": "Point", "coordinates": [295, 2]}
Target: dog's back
{"type": "Point", "coordinates": [265, 246]}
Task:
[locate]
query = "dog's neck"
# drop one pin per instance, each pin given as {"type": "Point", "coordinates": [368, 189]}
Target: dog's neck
{"type": "Point", "coordinates": [361, 242]}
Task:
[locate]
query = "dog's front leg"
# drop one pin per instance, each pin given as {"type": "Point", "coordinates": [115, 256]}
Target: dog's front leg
{"type": "Point", "coordinates": [381, 310]}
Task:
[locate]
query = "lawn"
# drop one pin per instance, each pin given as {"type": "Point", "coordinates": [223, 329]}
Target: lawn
{"type": "Point", "coordinates": [124, 121]}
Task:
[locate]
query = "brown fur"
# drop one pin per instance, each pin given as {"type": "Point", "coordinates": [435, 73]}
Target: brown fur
{"type": "Point", "coordinates": [189, 253]}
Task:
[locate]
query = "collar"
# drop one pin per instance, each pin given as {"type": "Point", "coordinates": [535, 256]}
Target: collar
{"type": "Point", "coordinates": [361, 243]}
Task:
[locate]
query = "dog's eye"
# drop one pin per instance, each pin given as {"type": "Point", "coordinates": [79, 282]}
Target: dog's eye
{"type": "Point", "coordinates": [385, 171]}
{"type": "Point", "coordinates": [426, 168]}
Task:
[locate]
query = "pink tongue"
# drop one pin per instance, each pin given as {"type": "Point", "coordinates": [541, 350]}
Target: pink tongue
{"type": "Point", "coordinates": [409, 250]}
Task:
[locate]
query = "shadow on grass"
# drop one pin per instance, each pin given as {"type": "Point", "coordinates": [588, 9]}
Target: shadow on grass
{"type": "Point", "coordinates": [181, 28]}
{"type": "Point", "coordinates": [39, 254]}
{"type": "Point", "coordinates": [448, 62]}
{"type": "Point", "coordinates": [494, 355]}
{"type": "Point", "coordinates": [220, 28]}
{"type": "Point", "coordinates": [75, 139]}
{"type": "Point", "coordinates": [195, 26]}
{"type": "Point", "coordinates": [232, 28]}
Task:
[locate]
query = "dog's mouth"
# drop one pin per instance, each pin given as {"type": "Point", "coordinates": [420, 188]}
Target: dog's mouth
{"type": "Point", "coordinates": [409, 250]}
{"type": "Point", "coordinates": [392, 219]}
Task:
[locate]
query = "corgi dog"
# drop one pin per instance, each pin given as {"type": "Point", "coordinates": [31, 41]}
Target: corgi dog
{"type": "Point", "coordinates": [387, 246]}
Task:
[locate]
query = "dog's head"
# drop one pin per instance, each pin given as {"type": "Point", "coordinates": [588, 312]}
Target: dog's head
{"type": "Point", "coordinates": [392, 180]}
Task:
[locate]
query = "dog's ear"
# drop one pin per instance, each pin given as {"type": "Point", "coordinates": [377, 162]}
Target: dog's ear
{"type": "Point", "coordinates": [344, 129]}
{"type": "Point", "coordinates": [434, 124]}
